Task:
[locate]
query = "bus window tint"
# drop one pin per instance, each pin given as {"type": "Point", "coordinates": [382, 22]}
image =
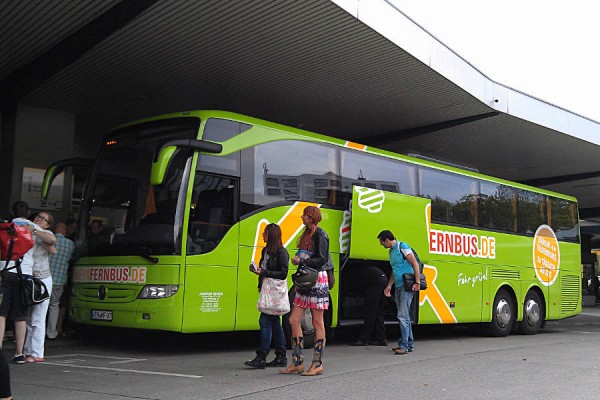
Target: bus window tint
{"type": "Point", "coordinates": [563, 219]}
{"type": "Point", "coordinates": [496, 210]}
{"type": "Point", "coordinates": [531, 211]}
{"type": "Point", "coordinates": [289, 170]}
{"type": "Point", "coordinates": [376, 172]}
{"type": "Point", "coordinates": [453, 197]}
{"type": "Point", "coordinates": [219, 130]}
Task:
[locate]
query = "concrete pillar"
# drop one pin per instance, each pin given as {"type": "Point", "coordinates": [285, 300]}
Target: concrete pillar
{"type": "Point", "coordinates": [40, 136]}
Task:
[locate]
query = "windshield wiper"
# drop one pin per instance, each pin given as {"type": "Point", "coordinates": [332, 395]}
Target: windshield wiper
{"type": "Point", "coordinates": [145, 254]}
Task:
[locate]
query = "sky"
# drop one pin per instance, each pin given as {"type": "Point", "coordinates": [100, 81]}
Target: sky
{"type": "Point", "coordinates": [547, 49]}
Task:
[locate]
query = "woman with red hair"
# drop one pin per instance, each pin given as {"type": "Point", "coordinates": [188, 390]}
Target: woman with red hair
{"type": "Point", "coordinates": [313, 241]}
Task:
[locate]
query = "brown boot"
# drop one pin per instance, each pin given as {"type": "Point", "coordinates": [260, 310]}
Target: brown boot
{"type": "Point", "coordinates": [293, 369]}
{"type": "Point", "coordinates": [312, 371]}
{"type": "Point", "coordinates": [316, 368]}
{"type": "Point", "coordinates": [297, 365]}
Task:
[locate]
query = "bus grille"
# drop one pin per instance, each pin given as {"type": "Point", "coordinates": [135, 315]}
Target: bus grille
{"type": "Point", "coordinates": [570, 293]}
{"type": "Point", "coordinates": [504, 274]}
{"type": "Point", "coordinates": [112, 293]}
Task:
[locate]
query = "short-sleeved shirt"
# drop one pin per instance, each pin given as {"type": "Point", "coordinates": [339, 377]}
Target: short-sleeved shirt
{"type": "Point", "coordinates": [59, 262]}
{"type": "Point", "coordinates": [400, 265]}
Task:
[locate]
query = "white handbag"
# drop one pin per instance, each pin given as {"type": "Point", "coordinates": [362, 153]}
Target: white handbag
{"type": "Point", "coordinates": [273, 299]}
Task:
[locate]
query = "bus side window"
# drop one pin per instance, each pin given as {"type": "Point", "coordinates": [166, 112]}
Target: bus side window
{"type": "Point", "coordinates": [213, 212]}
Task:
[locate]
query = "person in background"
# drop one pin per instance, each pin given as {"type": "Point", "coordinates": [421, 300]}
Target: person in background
{"type": "Point", "coordinates": [314, 241]}
{"type": "Point", "coordinates": [403, 261]}
{"type": "Point", "coordinates": [72, 229]}
{"type": "Point", "coordinates": [369, 281]}
{"type": "Point", "coordinates": [96, 227]}
{"type": "Point", "coordinates": [273, 263]}
{"type": "Point", "coordinates": [59, 266]}
{"type": "Point", "coordinates": [11, 306]}
{"type": "Point", "coordinates": [42, 249]}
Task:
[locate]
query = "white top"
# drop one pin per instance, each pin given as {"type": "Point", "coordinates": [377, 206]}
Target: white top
{"type": "Point", "coordinates": [41, 258]}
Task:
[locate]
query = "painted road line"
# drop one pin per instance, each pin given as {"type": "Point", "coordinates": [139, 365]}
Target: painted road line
{"type": "Point", "coordinates": [120, 360]}
{"type": "Point", "coordinates": [133, 371]}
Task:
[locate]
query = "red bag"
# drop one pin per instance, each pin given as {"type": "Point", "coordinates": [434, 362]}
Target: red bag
{"type": "Point", "coordinates": [15, 241]}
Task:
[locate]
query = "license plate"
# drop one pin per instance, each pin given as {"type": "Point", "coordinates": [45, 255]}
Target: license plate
{"type": "Point", "coordinates": [96, 315]}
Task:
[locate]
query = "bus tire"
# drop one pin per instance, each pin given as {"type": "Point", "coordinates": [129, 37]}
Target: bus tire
{"type": "Point", "coordinates": [503, 314]}
{"type": "Point", "coordinates": [533, 314]}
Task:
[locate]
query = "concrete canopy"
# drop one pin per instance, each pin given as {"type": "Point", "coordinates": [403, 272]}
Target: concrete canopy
{"type": "Point", "coordinates": [356, 70]}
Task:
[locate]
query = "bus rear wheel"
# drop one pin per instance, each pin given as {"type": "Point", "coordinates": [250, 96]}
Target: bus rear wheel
{"type": "Point", "coordinates": [503, 314]}
{"type": "Point", "coordinates": [533, 314]}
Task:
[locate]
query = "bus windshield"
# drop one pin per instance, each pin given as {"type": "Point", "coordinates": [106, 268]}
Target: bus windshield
{"type": "Point", "coordinates": [125, 215]}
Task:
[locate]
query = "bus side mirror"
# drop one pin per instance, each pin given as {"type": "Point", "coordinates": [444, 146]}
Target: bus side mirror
{"type": "Point", "coordinates": [160, 164]}
{"type": "Point", "coordinates": [58, 167]}
{"type": "Point", "coordinates": [163, 157]}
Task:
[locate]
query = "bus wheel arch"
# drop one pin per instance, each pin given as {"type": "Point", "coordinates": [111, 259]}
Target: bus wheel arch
{"type": "Point", "coordinates": [534, 312]}
{"type": "Point", "coordinates": [504, 312]}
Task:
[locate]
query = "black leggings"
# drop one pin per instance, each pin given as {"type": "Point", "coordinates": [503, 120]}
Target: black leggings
{"type": "Point", "coordinates": [4, 377]}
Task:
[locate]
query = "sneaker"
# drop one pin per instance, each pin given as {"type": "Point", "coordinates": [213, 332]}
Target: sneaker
{"type": "Point", "coordinates": [19, 359]}
{"type": "Point", "coordinates": [399, 350]}
{"type": "Point", "coordinates": [411, 349]}
{"type": "Point", "coordinates": [34, 359]}
{"type": "Point", "coordinates": [258, 362]}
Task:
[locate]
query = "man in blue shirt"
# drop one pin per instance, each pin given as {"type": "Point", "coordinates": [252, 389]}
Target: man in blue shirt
{"type": "Point", "coordinates": [403, 261]}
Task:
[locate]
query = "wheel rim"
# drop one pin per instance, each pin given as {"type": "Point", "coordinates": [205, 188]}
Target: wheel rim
{"type": "Point", "coordinates": [503, 313]}
{"type": "Point", "coordinates": [532, 312]}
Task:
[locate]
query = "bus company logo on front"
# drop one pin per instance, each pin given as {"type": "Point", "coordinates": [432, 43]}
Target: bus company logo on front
{"type": "Point", "coordinates": [110, 275]}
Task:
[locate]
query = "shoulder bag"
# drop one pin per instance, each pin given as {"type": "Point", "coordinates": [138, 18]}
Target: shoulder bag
{"type": "Point", "coordinates": [273, 299]}
{"type": "Point", "coordinates": [33, 291]}
{"type": "Point", "coordinates": [409, 281]}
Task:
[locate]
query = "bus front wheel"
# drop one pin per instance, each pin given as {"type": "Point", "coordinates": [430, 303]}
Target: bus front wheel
{"type": "Point", "coordinates": [533, 314]}
{"type": "Point", "coordinates": [503, 314]}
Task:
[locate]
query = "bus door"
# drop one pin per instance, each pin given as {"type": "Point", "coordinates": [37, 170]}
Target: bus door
{"type": "Point", "coordinates": [211, 254]}
{"type": "Point", "coordinates": [374, 210]}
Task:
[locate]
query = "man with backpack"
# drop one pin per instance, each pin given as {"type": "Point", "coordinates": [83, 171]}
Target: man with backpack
{"type": "Point", "coordinates": [403, 261]}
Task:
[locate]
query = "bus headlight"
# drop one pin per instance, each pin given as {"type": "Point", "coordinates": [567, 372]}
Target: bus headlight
{"type": "Point", "coordinates": [158, 291]}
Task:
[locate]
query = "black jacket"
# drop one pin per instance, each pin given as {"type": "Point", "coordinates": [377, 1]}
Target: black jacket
{"type": "Point", "coordinates": [320, 254]}
{"type": "Point", "coordinates": [277, 266]}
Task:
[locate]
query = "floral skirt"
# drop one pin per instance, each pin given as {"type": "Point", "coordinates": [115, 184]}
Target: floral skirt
{"type": "Point", "coordinates": [317, 297]}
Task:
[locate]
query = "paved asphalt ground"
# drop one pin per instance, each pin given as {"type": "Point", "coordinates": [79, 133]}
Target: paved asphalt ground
{"type": "Point", "coordinates": [563, 361]}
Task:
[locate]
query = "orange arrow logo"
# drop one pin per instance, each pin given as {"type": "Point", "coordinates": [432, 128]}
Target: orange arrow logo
{"type": "Point", "coordinates": [435, 298]}
{"type": "Point", "coordinates": [290, 223]}
{"type": "Point", "coordinates": [433, 294]}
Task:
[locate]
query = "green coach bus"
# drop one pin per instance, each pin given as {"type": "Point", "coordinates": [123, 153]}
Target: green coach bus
{"type": "Point", "coordinates": [174, 206]}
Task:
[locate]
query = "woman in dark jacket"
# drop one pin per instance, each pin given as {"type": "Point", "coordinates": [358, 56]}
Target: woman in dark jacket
{"type": "Point", "coordinates": [313, 241]}
{"type": "Point", "coordinates": [273, 263]}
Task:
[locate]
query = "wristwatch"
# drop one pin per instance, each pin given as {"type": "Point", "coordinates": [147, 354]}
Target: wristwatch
{"type": "Point", "coordinates": [33, 232]}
